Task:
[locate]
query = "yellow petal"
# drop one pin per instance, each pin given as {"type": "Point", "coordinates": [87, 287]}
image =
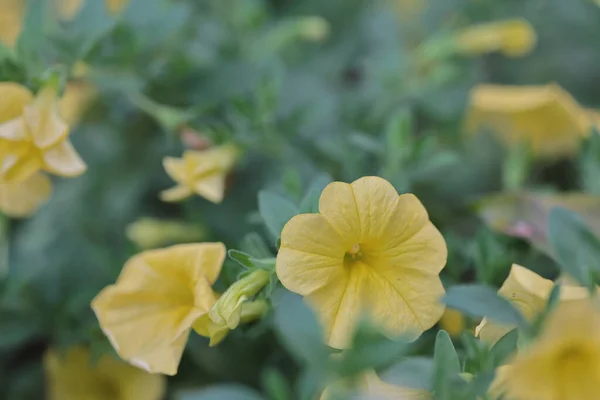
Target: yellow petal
{"type": "Point", "coordinates": [206, 327]}
{"type": "Point", "coordinates": [338, 205]}
{"type": "Point", "coordinates": [20, 167]}
{"type": "Point", "coordinates": [44, 123]}
{"type": "Point", "coordinates": [175, 168]}
{"type": "Point", "coordinates": [62, 159]}
{"type": "Point", "coordinates": [311, 254]}
{"type": "Point", "coordinates": [75, 101]}
{"type": "Point", "coordinates": [176, 193]}
{"type": "Point", "coordinates": [212, 188]}
{"type": "Point", "coordinates": [14, 130]}
{"type": "Point", "coordinates": [11, 20]}
{"type": "Point", "coordinates": [14, 99]}
{"type": "Point", "coordinates": [515, 38]}
{"type": "Point", "coordinates": [74, 376]}
{"type": "Point", "coordinates": [24, 198]}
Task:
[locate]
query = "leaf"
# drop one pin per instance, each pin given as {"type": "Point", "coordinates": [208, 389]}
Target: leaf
{"type": "Point", "coordinates": [275, 211]}
{"type": "Point", "coordinates": [243, 259]}
{"type": "Point", "coordinates": [480, 301]}
{"type": "Point", "coordinates": [254, 244]}
{"type": "Point", "coordinates": [220, 392]}
{"type": "Point", "coordinates": [310, 202]}
{"type": "Point", "coordinates": [446, 365]}
{"type": "Point", "coordinates": [276, 385]}
{"type": "Point", "coordinates": [574, 246]}
{"type": "Point", "coordinates": [398, 140]}
{"type": "Point", "coordinates": [32, 40]}
{"type": "Point", "coordinates": [89, 26]}
{"type": "Point", "coordinates": [412, 372]}
{"type": "Point", "coordinates": [299, 330]}
{"type": "Point", "coordinates": [503, 348]}
{"type": "Point", "coordinates": [589, 163]}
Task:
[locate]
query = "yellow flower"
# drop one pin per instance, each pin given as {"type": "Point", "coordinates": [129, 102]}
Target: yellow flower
{"type": "Point", "coordinates": [368, 250]}
{"type": "Point", "coordinates": [453, 322]}
{"type": "Point", "coordinates": [68, 9]}
{"type": "Point", "coordinates": [547, 118]}
{"type": "Point", "coordinates": [75, 101]}
{"type": "Point", "coordinates": [200, 172]}
{"type": "Point", "coordinates": [564, 362]}
{"type": "Point", "coordinates": [34, 135]}
{"type": "Point", "coordinates": [11, 15]}
{"type": "Point", "coordinates": [370, 387]}
{"type": "Point", "coordinates": [74, 376]}
{"type": "Point", "coordinates": [513, 38]}
{"type": "Point", "coordinates": [216, 332]}
{"type": "Point", "coordinates": [150, 233]}
{"type": "Point", "coordinates": [528, 292]}
{"type": "Point", "coordinates": [148, 314]}
{"type": "Point", "coordinates": [21, 199]}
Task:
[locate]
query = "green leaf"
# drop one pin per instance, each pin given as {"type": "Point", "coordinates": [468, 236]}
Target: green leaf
{"type": "Point", "coordinates": [398, 138]}
{"type": "Point", "coordinates": [220, 392]}
{"type": "Point", "coordinates": [503, 348]}
{"type": "Point", "coordinates": [480, 301]}
{"type": "Point", "coordinates": [90, 25]}
{"type": "Point", "coordinates": [310, 202]}
{"type": "Point", "coordinates": [33, 38]}
{"type": "Point", "coordinates": [447, 365]}
{"type": "Point", "coordinates": [574, 246]}
{"type": "Point", "coordinates": [275, 211]}
{"type": "Point", "coordinates": [243, 259]}
{"type": "Point", "coordinates": [412, 372]}
{"type": "Point", "coordinates": [253, 243]}
{"type": "Point", "coordinates": [589, 164]}
{"type": "Point", "coordinates": [276, 385]}
{"type": "Point", "coordinates": [298, 330]}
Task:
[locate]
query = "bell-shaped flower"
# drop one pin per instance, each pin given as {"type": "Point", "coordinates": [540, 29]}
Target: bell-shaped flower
{"type": "Point", "coordinates": [149, 312]}
{"type": "Point", "coordinates": [368, 250]}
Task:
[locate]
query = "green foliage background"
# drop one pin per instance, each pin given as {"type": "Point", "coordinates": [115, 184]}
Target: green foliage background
{"type": "Point", "coordinates": [306, 111]}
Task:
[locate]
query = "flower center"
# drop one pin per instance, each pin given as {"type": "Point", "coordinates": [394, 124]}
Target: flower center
{"type": "Point", "coordinates": [354, 254]}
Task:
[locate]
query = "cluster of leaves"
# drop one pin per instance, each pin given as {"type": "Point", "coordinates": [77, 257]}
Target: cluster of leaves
{"type": "Point", "coordinates": [344, 101]}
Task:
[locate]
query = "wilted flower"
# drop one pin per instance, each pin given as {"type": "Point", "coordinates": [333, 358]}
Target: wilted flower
{"type": "Point", "coordinates": [200, 172]}
{"type": "Point", "coordinates": [150, 233]}
{"type": "Point", "coordinates": [529, 293]}
{"type": "Point", "coordinates": [513, 38]}
{"type": "Point", "coordinates": [546, 118]}
{"type": "Point", "coordinates": [368, 250]}
{"type": "Point", "coordinates": [148, 313]}
{"type": "Point", "coordinates": [34, 135]}
{"type": "Point", "coordinates": [564, 361]}
{"type": "Point", "coordinates": [75, 376]}
{"type": "Point", "coordinates": [21, 199]}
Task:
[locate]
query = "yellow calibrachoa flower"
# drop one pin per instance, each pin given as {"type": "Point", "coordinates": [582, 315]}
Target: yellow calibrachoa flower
{"type": "Point", "coordinates": [200, 172]}
{"type": "Point", "coordinates": [513, 38]}
{"type": "Point", "coordinates": [21, 199]}
{"type": "Point", "coordinates": [368, 250]}
{"type": "Point", "coordinates": [546, 117]}
{"type": "Point", "coordinates": [75, 376]}
{"type": "Point", "coordinates": [11, 15]}
{"type": "Point", "coordinates": [149, 312]}
{"type": "Point", "coordinates": [149, 233]}
{"type": "Point", "coordinates": [371, 387]}
{"type": "Point", "coordinates": [528, 292]}
{"type": "Point", "coordinates": [34, 135]}
{"type": "Point", "coordinates": [563, 363]}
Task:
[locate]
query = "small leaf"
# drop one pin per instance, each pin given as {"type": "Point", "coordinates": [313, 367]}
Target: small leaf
{"type": "Point", "coordinates": [412, 372]}
{"type": "Point", "coordinates": [310, 202]}
{"type": "Point", "coordinates": [276, 385]}
{"type": "Point", "coordinates": [574, 246]}
{"type": "Point", "coordinates": [220, 392]}
{"type": "Point", "coordinates": [276, 211]}
{"type": "Point", "coordinates": [447, 365]}
{"type": "Point", "coordinates": [243, 259]}
{"type": "Point", "coordinates": [503, 348]}
{"type": "Point", "coordinates": [482, 301]}
{"type": "Point", "coordinates": [254, 244]}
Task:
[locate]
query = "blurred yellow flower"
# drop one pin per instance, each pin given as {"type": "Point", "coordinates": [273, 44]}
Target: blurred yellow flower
{"type": "Point", "coordinates": [148, 233]}
{"type": "Point", "coordinates": [68, 9]}
{"type": "Point", "coordinates": [248, 312]}
{"type": "Point", "coordinates": [528, 292]}
{"type": "Point", "coordinates": [34, 135]}
{"type": "Point", "coordinates": [21, 199]}
{"type": "Point", "coordinates": [75, 101]}
{"type": "Point", "coordinates": [453, 322]}
{"type": "Point", "coordinates": [200, 172]}
{"type": "Point", "coordinates": [370, 387]}
{"type": "Point", "coordinates": [11, 14]}
{"type": "Point", "coordinates": [564, 362]}
{"type": "Point", "coordinates": [75, 376]}
{"type": "Point", "coordinates": [546, 117]}
{"type": "Point", "coordinates": [513, 38]}
{"type": "Point", "coordinates": [148, 313]}
{"type": "Point", "coordinates": [368, 250]}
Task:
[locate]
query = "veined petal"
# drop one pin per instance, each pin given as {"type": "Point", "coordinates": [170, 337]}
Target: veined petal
{"type": "Point", "coordinates": [14, 98]}
{"type": "Point", "coordinates": [24, 198]}
{"type": "Point", "coordinates": [176, 193]}
{"type": "Point", "coordinates": [212, 188]}
{"type": "Point", "coordinates": [46, 126]}
{"type": "Point", "coordinates": [338, 205]}
{"type": "Point", "coordinates": [311, 254]}
{"type": "Point", "coordinates": [62, 159]}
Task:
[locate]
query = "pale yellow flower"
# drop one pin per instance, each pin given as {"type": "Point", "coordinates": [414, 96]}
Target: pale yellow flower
{"type": "Point", "coordinates": [75, 376]}
{"type": "Point", "coordinates": [370, 387]}
{"type": "Point", "coordinates": [563, 362]}
{"type": "Point", "coordinates": [75, 101]}
{"type": "Point", "coordinates": [148, 313]}
{"type": "Point", "coordinates": [529, 293]}
{"type": "Point", "coordinates": [150, 233]}
{"type": "Point", "coordinates": [453, 322]}
{"type": "Point", "coordinates": [513, 38]}
{"type": "Point", "coordinates": [34, 135]}
{"type": "Point", "coordinates": [369, 250]}
{"type": "Point", "coordinates": [200, 172]}
{"type": "Point", "coordinates": [21, 199]}
{"type": "Point", "coordinates": [546, 118]}
{"type": "Point", "coordinates": [11, 15]}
